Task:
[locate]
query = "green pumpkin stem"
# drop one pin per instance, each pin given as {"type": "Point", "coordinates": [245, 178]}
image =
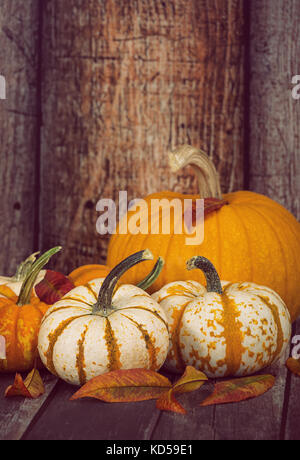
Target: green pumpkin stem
{"type": "Point", "coordinates": [104, 302]}
{"type": "Point", "coordinates": [32, 274]}
{"type": "Point", "coordinates": [24, 267]}
{"type": "Point", "coordinates": [153, 275]}
{"type": "Point", "coordinates": [213, 283]}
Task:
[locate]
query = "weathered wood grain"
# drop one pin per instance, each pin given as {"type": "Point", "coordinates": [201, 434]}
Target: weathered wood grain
{"type": "Point", "coordinates": [89, 419]}
{"type": "Point", "coordinates": [18, 131]}
{"type": "Point", "coordinates": [198, 423]}
{"type": "Point", "coordinates": [17, 413]}
{"type": "Point", "coordinates": [122, 83]}
{"type": "Point", "coordinates": [19, 140]}
{"type": "Point", "coordinates": [274, 115]}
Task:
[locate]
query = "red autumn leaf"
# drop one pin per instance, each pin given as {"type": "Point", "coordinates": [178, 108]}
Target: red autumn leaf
{"type": "Point", "coordinates": [293, 366]}
{"type": "Point", "coordinates": [236, 390]}
{"type": "Point", "coordinates": [168, 402]}
{"type": "Point", "coordinates": [191, 380]}
{"type": "Point", "coordinates": [32, 387]}
{"type": "Point", "coordinates": [53, 287]}
{"type": "Point", "coordinates": [127, 385]}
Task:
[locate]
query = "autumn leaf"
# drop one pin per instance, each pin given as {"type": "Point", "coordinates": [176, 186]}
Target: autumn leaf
{"type": "Point", "coordinates": [191, 380]}
{"type": "Point", "coordinates": [53, 287]}
{"type": "Point", "coordinates": [32, 387]}
{"type": "Point", "coordinates": [126, 385]}
{"type": "Point", "coordinates": [236, 390]}
{"type": "Point", "coordinates": [293, 366]}
{"type": "Point", "coordinates": [168, 402]}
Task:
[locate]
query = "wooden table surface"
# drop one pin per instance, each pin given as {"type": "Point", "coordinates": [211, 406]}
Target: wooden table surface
{"type": "Point", "coordinates": [274, 415]}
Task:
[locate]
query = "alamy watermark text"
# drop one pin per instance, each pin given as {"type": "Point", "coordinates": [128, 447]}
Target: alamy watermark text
{"type": "Point", "coordinates": [2, 87]}
{"type": "Point", "coordinates": [296, 89]}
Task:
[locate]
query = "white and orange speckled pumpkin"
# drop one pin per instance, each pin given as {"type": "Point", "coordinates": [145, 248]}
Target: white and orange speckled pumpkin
{"type": "Point", "coordinates": [97, 328]}
{"type": "Point", "coordinates": [14, 283]}
{"type": "Point", "coordinates": [225, 329]}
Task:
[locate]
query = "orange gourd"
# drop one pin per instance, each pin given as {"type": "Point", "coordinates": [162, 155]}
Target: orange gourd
{"type": "Point", "coordinates": [86, 273]}
{"type": "Point", "coordinates": [252, 238]}
{"type": "Point", "coordinates": [20, 319]}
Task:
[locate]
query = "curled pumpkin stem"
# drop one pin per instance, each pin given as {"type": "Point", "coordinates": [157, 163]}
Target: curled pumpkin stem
{"type": "Point", "coordinates": [208, 178]}
{"type": "Point", "coordinates": [32, 274]}
{"type": "Point", "coordinates": [213, 283]}
{"type": "Point", "coordinates": [153, 275]}
{"type": "Point", "coordinates": [104, 302]}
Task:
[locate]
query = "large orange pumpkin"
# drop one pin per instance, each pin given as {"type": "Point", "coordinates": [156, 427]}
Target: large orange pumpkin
{"type": "Point", "coordinates": [20, 319]}
{"type": "Point", "coordinates": [251, 238]}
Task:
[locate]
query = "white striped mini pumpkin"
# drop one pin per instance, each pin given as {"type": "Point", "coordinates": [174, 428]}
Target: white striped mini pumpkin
{"type": "Point", "coordinates": [97, 328]}
{"type": "Point", "coordinates": [224, 329]}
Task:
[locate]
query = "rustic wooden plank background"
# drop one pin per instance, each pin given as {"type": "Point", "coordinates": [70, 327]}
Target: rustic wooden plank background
{"type": "Point", "coordinates": [122, 83]}
{"type": "Point", "coordinates": [97, 92]}
{"type": "Point", "coordinates": [18, 131]}
{"type": "Point", "coordinates": [274, 115]}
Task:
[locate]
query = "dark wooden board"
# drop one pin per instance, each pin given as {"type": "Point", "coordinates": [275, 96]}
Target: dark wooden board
{"type": "Point", "coordinates": [17, 413]}
{"type": "Point", "coordinates": [89, 419]}
{"type": "Point", "coordinates": [198, 423]}
{"type": "Point", "coordinates": [18, 132]}
{"type": "Point", "coordinates": [274, 140]}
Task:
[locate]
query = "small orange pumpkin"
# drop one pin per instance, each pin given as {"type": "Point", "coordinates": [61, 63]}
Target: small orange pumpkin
{"type": "Point", "coordinates": [86, 273]}
{"type": "Point", "coordinates": [20, 319]}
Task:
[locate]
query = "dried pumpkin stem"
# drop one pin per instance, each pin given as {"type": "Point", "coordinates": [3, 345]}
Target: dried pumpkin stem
{"type": "Point", "coordinates": [208, 178]}
{"type": "Point", "coordinates": [104, 303]}
{"type": "Point", "coordinates": [32, 274]}
{"type": "Point", "coordinates": [213, 283]}
{"type": "Point", "coordinates": [24, 267]}
{"type": "Point", "coordinates": [153, 275]}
